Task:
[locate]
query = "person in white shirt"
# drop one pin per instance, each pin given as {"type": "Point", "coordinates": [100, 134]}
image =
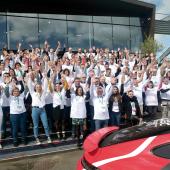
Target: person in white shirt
{"type": "Point", "coordinates": [138, 92]}
{"type": "Point", "coordinates": [69, 53]}
{"type": "Point", "coordinates": [5, 101]}
{"type": "Point", "coordinates": [78, 111]}
{"type": "Point", "coordinates": [38, 95]}
{"type": "Point", "coordinates": [100, 102]}
{"type": "Point", "coordinates": [17, 115]}
{"type": "Point", "coordinates": [151, 98]}
{"type": "Point", "coordinates": [165, 97]}
{"type": "Point", "coordinates": [58, 110]}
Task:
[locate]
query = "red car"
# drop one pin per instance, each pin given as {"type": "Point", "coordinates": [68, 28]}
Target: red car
{"type": "Point", "coordinates": [141, 147]}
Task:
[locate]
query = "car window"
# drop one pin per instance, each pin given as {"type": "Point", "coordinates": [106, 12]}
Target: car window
{"type": "Point", "coordinates": [145, 130]}
{"type": "Point", "coordinates": [162, 151]}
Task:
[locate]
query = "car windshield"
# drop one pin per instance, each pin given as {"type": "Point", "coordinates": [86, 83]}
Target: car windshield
{"type": "Point", "coordinates": [144, 130]}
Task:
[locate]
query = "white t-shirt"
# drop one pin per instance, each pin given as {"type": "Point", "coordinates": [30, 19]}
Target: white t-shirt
{"type": "Point", "coordinates": [59, 99]}
{"type": "Point", "coordinates": [165, 95]}
{"type": "Point", "coordinates": [17, 105]}
{"type": "Point", "coordinates": [115, 107]}
{"type": "Point", "coordinates": [133, 108]}
{"type": "Point", "coordinates": [138, 93]}
{"type": "Point", "coordinates": [151, 98]}
{"type": "Point", "coordinates": [78, 107]}
{"type": "Point", "coordinates": [100, 108]}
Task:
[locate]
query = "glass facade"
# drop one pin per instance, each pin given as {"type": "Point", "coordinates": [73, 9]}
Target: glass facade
{"type": "Point", "coordinates": [72, 30]}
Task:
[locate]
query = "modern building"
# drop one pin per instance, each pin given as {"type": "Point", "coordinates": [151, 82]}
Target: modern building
{"type": "Point", "coordinates": [76, 23]}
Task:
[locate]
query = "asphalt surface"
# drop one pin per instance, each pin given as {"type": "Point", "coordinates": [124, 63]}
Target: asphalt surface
{"type": "Point", "coordinates": [59, 161]}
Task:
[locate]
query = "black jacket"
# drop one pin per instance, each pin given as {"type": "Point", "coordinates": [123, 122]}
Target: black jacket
{"type": "Point", "coordinates": [127, 108]}
{"type": "Point", "coordinates": [111, 104]}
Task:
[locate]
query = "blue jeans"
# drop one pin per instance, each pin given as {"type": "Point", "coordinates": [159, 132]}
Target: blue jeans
{"type": "Point", "coordinates": [36, 114]}
{"type": "Point", "coordinates": [115, 118]}
{"type": "Point", "coordinates": [18, 121]}
{"type": "Point", "coordinates": [101, 124]}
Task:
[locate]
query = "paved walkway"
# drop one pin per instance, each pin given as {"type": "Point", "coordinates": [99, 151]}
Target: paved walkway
{"type": "Point", "coordinates": [58, 161]}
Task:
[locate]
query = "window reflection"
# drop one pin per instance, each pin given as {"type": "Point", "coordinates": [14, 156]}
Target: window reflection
{"type": "Point", "coordinates": [53, 16]}
{"type": "Point", "coordinates": [23, 30]}
{"type": "Point", "coordinates": [102, 19]}
{"type": "Point", "coordinates": [103, 35]}
{"type": "Point", "coordinates": [79, 34]}
{"type": "Point", "coordinates": [82, 31]}
{"type": "Point", "coordinates": [121, 36]}
{"type": "Point", "coordinates": [120, 20]}
{"type": "Point", "coordinates": [52, 31]}
{"type": "Point", "coordinates": [135, 21]}
{"type": "Point", "coordinates": [79, 18]}
{"type": "Point", "coordinates": [136, 37]}
{"type": "Point", "coordinates": [22, 14]}
{"type": "Point", "coordinates": [3, 32]}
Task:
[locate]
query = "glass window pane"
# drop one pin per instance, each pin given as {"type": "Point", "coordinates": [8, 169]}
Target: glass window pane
{"type": "Point", "coordinates": [54, 16]}
{"type": "Point", "coordinates": [79, 18]}
{"type": "Point", "coordinates": [22, 14]}
{"type": "Point", "coordinates": [121, 37]}
{"type": "Point", "coordinates": [2, 13]}
{"type": "Point", "coordinates": [52, 31]}
{"type": "Point", "coordinates": [136, 38]}
{"type": "Point", "coordinates": [79, 34]}
{"type": "Point", "coordinates": [103, 35]}
{"type": "Point", "coordinates": [102, 19]}
{"type": "Point", "coordinates": [120, 20]}
{"type": "Point", "coordinates": [135, 21]}
{"type": "Point", "coordinates": [3, 42]}
{"type": "Point", "coordinates": [23, 30]}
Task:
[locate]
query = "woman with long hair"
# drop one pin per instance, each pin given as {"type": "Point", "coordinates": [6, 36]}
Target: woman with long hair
{"type": "Point", "coordinates": [115, 107]}
{"type": "Point", "coordinates": [38, 94]}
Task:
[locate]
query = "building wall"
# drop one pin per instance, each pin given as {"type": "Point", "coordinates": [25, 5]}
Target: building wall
{"type": "Point", "coordinates": [73, 30]}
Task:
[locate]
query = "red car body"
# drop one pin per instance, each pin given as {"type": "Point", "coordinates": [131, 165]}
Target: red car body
{"type": "Point", "coordinates": [146, 147]}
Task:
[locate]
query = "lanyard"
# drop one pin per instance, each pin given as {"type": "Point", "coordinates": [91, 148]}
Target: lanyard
{"type": "Point", "coordinates": [17, 99]}
{"type": "Point", "coordinates": [59, 94]}
{"type": "Point", "coordinates": [100, 100]}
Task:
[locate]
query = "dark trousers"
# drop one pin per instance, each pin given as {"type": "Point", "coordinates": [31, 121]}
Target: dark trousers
{"type": "Point", "coordinates": [152, 110]}
{"type": "Point", "coordinates": [67, 120]}
{"type": "Point", "coordinates": [49, 112]}
{"type": "Point", "coordinates": [91, 116]}
{"type": "Point", "coordinates": [5, 111]}
{"type": "Point", "coordinates": [18, 121]}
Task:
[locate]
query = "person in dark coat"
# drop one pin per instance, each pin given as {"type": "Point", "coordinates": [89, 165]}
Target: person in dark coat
{"type": "Point", "coordinates": [131, 109]}
{"type": "Point", "coordinates": [115, 107]}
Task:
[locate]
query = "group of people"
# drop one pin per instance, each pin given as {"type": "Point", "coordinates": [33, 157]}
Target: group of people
{"type": "Point", "coordinates": [79, 91]}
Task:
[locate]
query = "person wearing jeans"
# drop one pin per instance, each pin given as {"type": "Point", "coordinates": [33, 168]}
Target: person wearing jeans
{"type": "Point", "coordinates": [101, 123]}
{"type": "Point", "coordinates": [36, 114]}
{"type": "Point", "coordinates": [18, 121]}
{"type": "Point", "coordinates": [100, 101]}
{"type": "Point", "coordinates": [115, 107]}
{"type": "Point", "coordinates": [17, 115]}
{"type": "Point", "coordinates": [38, 94]}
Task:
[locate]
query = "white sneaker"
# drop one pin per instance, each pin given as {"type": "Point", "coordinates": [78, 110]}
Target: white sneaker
{"type": "Point", "coordinates": [37, 141]}
{"type": "Point", "coordinates": [49, 140]}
